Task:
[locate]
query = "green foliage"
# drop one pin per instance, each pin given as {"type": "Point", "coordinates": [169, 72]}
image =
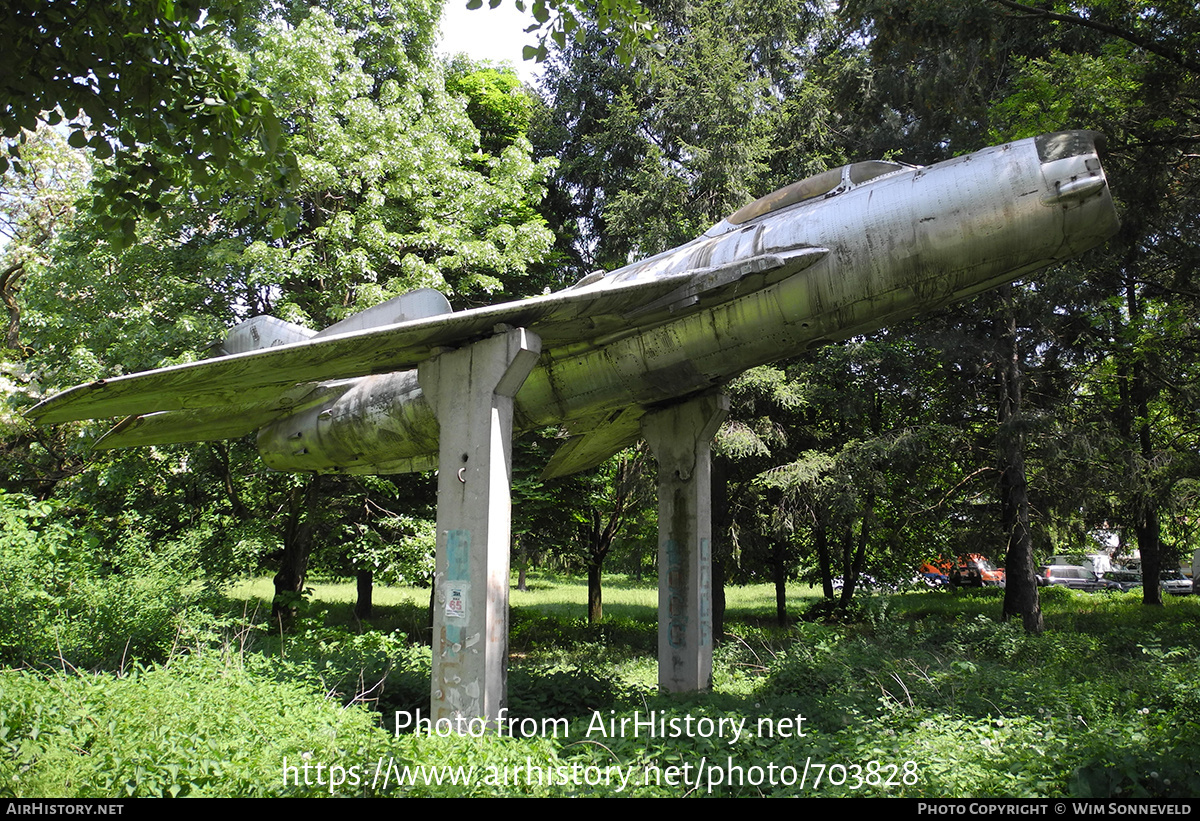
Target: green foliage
{"type": "Point", "coordinates": [390, 192]}
{"type": "Point", "coordinates": [497, 104]}
{"type": "Point", "coordinates": [197, 727]}
{"type": "Point", "coordinates": [724, 109]}
{"type": "Point", "coordinates": [390, 198]}
{"type": "Point", "coordinates": [163, 101]}
{"type": "Point", "coordinates": [564, 692]}
{"type": "Point", "coordinates": [169, 106]}
{"type": "Point", "coordinates": [626, 20]}
{"type": "Point", "coordinates": [373, 668]}
{"type": "Point", "coordinates": [392, 172]}
{"type": "Point", "coordinates": [1101, 705]}
{"type": "Point", "coordinates": [398, 550]}
{"type": "Point", "coordinates": [64, 607]}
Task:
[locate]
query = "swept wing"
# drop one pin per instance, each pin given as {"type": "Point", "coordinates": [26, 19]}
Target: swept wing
{"type": "Point", "coordinates": [244, 390]}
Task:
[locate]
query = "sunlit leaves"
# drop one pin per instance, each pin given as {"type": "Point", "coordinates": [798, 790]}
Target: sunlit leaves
{"type": "Point", "coordinates": [143, 89]}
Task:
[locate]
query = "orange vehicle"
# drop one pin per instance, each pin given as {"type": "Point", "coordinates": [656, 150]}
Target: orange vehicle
{"type": "Point", "coordinates": [969, 570]}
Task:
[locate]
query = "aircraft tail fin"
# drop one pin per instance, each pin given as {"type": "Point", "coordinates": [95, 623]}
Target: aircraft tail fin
{"type": "Point", "coordinates": [422, 303]}
{"type": "Point", "coordinates": [260, 332]}
{"type": "Point", "coordinates": [267, 331]}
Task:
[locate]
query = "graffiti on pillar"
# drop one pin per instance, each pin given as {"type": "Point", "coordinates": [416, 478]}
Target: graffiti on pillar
{"type": "Point", "coordinates": [457, 596]}
{"type": "Point", "coordinates": [454, 594]}
{"type": "Point", "coordinates": [447, 687]}
{"type": "Point", "coordinates": [706, 620]}
{"type": "Point", "coordinates": [677, 596]}
{"type": "Point", "coordinates": [458, 555]}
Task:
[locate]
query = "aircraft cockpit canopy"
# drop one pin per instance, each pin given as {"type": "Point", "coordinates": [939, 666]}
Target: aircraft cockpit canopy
{"type": "Point", "coordinates": [819, 186]}
{"type": "Point", "coordinates": [833, 181]}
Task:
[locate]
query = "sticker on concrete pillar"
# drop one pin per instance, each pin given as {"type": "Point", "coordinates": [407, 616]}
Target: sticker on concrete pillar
{"type": "Point", "coordinates": [458, 601]}
{"type": "Point", "coordinates": [677, 592]}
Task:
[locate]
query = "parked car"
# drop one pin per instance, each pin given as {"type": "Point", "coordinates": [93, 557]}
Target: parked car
{"type": "Point", "coordinates": [1176, 583]}
{"type": "Point", "coordinates": [934, 576]}
{"type": "Point", "coordinates": [1069, 575]}
{"type": "Point", "coordinates": [1097, 563]}
{"type": "Point", "coordinates": [973, 570]}
{"type": "Point", "coordinates": [1121, 581]}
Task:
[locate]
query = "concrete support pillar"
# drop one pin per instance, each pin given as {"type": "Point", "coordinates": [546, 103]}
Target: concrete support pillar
{"type": "Point", "coordinates": [471, 391]}
{"type": "Point", "coordinates": [681, 438]}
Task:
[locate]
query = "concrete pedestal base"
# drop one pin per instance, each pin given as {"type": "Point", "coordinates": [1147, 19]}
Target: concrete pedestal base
{"type": "Point", "coordinates": [681, 438]}
{"type": "Point", "coordinates": [471, 390]}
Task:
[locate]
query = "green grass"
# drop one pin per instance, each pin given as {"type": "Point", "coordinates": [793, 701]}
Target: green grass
{"type": "Point", "coordinates": [560, 596]}
{"type": "Point", "coordinates": [927, 689]}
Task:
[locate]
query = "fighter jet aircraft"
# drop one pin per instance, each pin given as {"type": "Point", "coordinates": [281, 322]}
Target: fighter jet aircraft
{"type": "Point", "coordinates": [832, 256]}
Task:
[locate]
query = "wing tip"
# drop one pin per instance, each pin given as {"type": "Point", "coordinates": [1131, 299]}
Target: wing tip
{"type": "Point", "coordinates": [57, 408]}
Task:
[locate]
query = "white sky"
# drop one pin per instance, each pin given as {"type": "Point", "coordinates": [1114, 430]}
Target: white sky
{"type": "Point", "coordinates": [488, 34]}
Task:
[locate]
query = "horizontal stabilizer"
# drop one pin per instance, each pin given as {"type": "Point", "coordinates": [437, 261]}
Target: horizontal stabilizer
{"type": "Point", "coordinates": [725, 282]}
{"type": "Point", "coordinates": [216, 423]}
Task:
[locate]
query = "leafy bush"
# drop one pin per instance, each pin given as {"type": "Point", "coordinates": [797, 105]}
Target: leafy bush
{"type": "Point", "coordinates": [61, 606]}
{"type": "Point", "coordinates": [1102, 704]}
{"type": "Point", "coordinates": [398, 550]}
{"type": "Point", "coordinates": [564, 692]}
{"type": "Point", "coordinates": [206, 725]}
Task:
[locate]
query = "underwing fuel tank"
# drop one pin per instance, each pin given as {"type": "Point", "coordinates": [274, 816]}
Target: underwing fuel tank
{"type": "Point", "coordinates": [829, 257]}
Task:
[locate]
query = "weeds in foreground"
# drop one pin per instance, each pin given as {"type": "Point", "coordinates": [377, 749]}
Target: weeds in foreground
{"type": "Point", "coordinates": [925, 695]}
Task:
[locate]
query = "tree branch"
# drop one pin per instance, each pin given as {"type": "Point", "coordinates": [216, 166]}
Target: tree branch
{"type": "Point", "coordinates": [1128, 36]}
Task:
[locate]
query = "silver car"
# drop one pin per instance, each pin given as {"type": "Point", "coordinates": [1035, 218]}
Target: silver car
{"type": "Point", "coordinates": [1069, 575]}
{"type": "Point", "coordinates": [1176, 583]}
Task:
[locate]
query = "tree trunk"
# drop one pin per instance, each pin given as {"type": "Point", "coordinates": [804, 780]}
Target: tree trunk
{"type": "Point", "coordinates": [221, 449]}
{"type": "Point", "coordinates": [522, 562]}
{"type": "Point", "coordinates": [825, 563]}
{"type": "Point", "coordinates": [366, 584]}
{"type": "Point", "coordinates": [1134, 422]}
{"type": "Point", "coordinates": [855, 564]}
{"type": "Point", "coordinates": [297, 545]}
{"type": "Point", "coordinates": [780, 573]}
{"type": "Point", "coordinates": [821, 537]}
{"type": "Point", "coordinates": [1147, 526]}
{"type": "Point", "coordinates": [9, 286]}
{"type": "Point", "coordinates": [595, 600]}
{"type": "Point", "coordinates": [1020, 591]}
{"type": "Point", "coordinates": [601, 531]}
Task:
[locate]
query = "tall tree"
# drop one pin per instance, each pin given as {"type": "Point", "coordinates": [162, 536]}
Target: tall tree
{"type": "Point", "coordinates": [393, 192]}
{"type": "Point", "coordinates": [1020, 593]}
{"type": "Point", "coordinates": [1128, 70]}
{"type": "Point", "coordinates": [139, 82]}
{"type": "Point", "coordinates": [655, 151]}
{"type": "Point", "coordinates": [37, 202]}
{"type": "Point", "coordinates": [149, 84]}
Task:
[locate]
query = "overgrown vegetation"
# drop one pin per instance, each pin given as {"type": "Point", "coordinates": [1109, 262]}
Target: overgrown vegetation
{"type": "Point", "coordinates": [1104, 703]}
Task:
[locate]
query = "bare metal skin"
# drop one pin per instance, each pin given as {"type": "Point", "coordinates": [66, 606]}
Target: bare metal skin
{"type": "Point", "coordinates": [836, 255]}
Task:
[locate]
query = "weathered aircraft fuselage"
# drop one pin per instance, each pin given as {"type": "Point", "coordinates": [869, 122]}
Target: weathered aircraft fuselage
{"type": "Point", "coordinates": [410, 384]}
{"type": "Point", "coordinates": [835, 255]}
{"type": "Point", "coordinates": [886, 248]}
